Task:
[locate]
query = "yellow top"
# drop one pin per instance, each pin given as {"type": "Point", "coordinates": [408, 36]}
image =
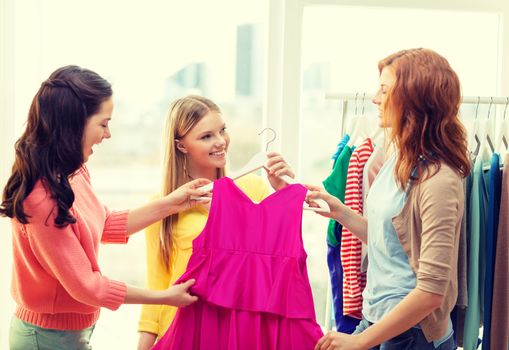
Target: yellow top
{"type": "Point", "coordinates": [157, 318]}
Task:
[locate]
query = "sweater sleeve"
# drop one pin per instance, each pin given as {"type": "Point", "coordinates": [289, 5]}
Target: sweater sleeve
{"type": "Point", "coordinates": [115, 227]}
{"type": "Point", "coordinates": [440, 199]}
{"type": "Point", "coordinates": [158, 277]}
{"type": "Point", "coordinates": [67, 257]}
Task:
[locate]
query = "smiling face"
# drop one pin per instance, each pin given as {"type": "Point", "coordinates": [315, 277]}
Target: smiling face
{"type": "Point", "coordinates": [97, 128]}
{"type": "Point", "coordinates": [205, 146]}
{"type": "Point", "coordinates": [387, 80]}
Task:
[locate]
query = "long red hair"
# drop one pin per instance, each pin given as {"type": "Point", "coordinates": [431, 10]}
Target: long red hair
{"type": "Point", "coordinates": [422, 107]}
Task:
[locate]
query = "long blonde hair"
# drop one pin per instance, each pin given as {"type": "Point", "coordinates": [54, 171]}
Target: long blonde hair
{"type": "Point", "coordinates": [182, 116]}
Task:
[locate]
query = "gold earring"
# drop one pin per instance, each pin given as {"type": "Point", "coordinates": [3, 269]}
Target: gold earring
{"type": "Point", "coordinates": [186, 174]}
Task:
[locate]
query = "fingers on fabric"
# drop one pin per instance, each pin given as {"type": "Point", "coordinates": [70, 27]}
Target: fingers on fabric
{"type": "Point", "coordinates": [313, 188]}
{"type": "Point", "coordinates": [314, 195]}
{"type": "Point", "coordinates": [198, 193]}
{"type": "Point", "coordinates": [198, 182]}
{"type": "Point", "coordinates": [188, 284]}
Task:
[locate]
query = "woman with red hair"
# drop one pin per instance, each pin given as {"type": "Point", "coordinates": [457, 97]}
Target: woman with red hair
{"type": "Point", "coordinates": [414, 210]}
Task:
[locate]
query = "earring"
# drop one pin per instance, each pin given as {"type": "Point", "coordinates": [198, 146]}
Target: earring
{"type": "Point", "coordinates": [186, 175]}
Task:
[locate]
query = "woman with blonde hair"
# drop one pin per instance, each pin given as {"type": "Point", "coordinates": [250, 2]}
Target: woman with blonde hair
{"type": "Point", "coordinates": [197, 143]}
{"type": "Point", "coordinates": [414, 210]}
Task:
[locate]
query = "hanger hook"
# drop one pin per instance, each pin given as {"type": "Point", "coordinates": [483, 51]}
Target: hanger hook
{"type": "Point", "coordinates": [363, 104]}
{"type": "Point", "coordinates": [356, 95]}
{"type": "Point", "coordinates": [505, 109]}
{"type": "Point", "coordinates": [477, 106]}
{"type": "Point", "coordinates": [271, 140]}
{"type": "Point", "coordinates": [489, 107]}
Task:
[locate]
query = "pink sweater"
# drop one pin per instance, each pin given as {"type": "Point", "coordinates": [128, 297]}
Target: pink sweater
{"type": "Point", "coordinates": [57, 282]}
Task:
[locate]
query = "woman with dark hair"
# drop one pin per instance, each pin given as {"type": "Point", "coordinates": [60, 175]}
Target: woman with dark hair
{"type": "Point", "coordinates": [58, 221]}
{"type": "Point", "coordinates": [414, 210]}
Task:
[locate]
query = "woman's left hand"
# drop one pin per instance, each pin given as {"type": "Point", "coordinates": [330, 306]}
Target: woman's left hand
{"type": "Point", "coordinates": [277, 166]}
{"type": "Point", "coordinates": [339, 341]}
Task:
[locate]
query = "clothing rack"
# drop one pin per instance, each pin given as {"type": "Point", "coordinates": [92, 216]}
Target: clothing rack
{"type": "Point", "coordinates": [362, 97]}
{"type": "Point", "coordinates": [496, 100]}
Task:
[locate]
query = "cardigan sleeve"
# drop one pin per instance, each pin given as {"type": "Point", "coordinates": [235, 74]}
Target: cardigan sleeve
{"type": "Point", "coordinates": [441, 199]}
{"type": "Point", "coordinates": [67, 258]}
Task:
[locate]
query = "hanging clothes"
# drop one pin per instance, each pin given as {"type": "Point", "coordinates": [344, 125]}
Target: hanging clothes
{"type": "Point", "coordinates": [476, 243]}
{"type": "Point", "coordinates": [491, 240]}
{"type": "Point", "coordinates": [251, 278]}
{"type": "Point", "coordinates": [499, 335]}
{"type": "Point", "coordinates": [335, 184]}
{"type": "Point", "coordinates": [463, 250]}
{"type": "Point", "coordinates": [339, 148]}
{"type": "Point", "coordinates": [459, 312]}
{"type": "Point", "coordinates": [354, 280]}
{"type": "Point", "coordinates": [333, 238]}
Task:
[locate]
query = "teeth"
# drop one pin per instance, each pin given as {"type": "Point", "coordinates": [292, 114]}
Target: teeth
{"type": "Point", "coordinates": [218, 153]}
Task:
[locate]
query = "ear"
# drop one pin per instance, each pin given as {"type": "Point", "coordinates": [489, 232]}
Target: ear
{"type": "Point", "coordinates": [180, 146]}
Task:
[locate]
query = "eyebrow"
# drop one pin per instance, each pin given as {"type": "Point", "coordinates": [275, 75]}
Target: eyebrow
{"type": "Point", "coordinates": [209, 131]}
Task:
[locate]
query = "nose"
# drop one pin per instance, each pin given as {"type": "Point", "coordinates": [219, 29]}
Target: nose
{"type": "Point", "coordinates": [107, 134]}
{"type": "Point", "coordinates": [220, 141]}
{"type": "Point", "coordinates": [376, 98]}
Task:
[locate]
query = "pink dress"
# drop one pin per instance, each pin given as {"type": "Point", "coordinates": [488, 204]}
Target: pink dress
{"type": "Point", "coordinates": [250, 269]}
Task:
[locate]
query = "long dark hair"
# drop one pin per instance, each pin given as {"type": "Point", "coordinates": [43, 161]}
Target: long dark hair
{"type": "Point", "coordinates": [50, 148]}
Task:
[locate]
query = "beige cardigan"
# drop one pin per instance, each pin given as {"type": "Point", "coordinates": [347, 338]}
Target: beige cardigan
{"type": "Point", "coordinates": [428, 228]}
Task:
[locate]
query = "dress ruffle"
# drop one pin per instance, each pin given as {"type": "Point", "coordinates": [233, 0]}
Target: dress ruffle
{"type": "Point", "coordinates": [217, 328]}
{"type": "Point", "coordinates": [251, 282]}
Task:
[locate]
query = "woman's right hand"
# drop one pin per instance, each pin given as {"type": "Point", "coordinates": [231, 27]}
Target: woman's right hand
{"type": "Point", "coordinates": [178, 295]}
{"type": "Point", "coordinates": [336, 207]}
{"type": "Point", "coordinates": [183, 198]}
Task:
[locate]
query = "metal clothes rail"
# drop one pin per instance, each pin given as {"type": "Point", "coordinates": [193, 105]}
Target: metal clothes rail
{"type": "Point", "coordinates": [496, 100]}
{"type": "Point", "coordinates": [362, 97]}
